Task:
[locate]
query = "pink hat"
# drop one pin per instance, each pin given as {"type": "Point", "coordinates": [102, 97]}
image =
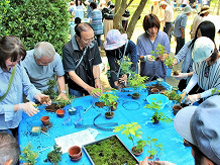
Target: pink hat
{"type": "Point", "coordinates": [114, 40]}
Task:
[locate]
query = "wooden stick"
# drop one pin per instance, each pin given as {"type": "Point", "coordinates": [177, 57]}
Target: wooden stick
{"type": "Point", "coordinates": [44, 133]}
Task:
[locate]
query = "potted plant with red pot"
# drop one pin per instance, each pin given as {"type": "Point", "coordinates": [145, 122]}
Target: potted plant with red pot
{"type": "Point", "coordinates": [60, 113]}
{"type": "Point", "coordinates": [132, 131]}
{"type": "Point", "coordinates": [137, 83]}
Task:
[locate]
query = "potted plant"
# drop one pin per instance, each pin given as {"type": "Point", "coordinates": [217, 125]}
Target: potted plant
{"type": "Point", "coordinates": [75, 153]}
{"type": "Point", "coordinates": [50, 90]}
{"type": "Point", "coordinates": [132, 131]}
{"type": "Point", "coordinates": [60, 113]}
{"type": "Point", "coordinates": [160, 51]}
{"type": "Point", "coordinates": [159, 80]}
{"type": "Point", "coordinates": [154, 148]}
{"type": "Point", "coordinates": [29, 156]}
{"type": "Point", "coordinates": [110, 100]}
{"type": "Point", "coordinates": [157, 116]}
{"type": "Point", "coordinates": [55, 155]}
{"type": "Point", "coordinates": [172, 95]}
{"type": "Point", "coordinates": [176, 108]}
{"type": "Point", "coordinates": [169, 62]}
{"type": "Point", "coordinates": [137, 82]}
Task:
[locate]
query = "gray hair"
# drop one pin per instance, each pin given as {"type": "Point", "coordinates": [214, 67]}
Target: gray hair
{"type": "Point", "coordinates": [44, 49]}
{"type": "Point", "coordinates": [9, 148]}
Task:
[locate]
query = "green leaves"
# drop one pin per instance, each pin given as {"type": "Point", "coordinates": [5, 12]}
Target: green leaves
{"type": "Point", "coordinates": [29, 156]}
{"type": "Point", "coordinates": [137, 82]}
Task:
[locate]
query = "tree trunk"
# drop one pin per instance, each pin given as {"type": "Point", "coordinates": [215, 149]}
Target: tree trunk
{"type": "Point", "coordinates": [218, 7]}
{"type": "Point", "coordinates": [119, 11]}
{"type": "Point", "coordinates": [134, 18]}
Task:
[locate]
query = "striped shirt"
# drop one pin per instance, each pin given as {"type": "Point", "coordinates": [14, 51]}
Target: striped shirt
{"type": "Point", "coordinates": [96, 17]}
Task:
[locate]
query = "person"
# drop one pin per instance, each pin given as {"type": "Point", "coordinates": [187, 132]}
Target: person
{"type": "Point", "coordinates": [72, 27]}
{"type": "Point", "coordinates": [168, 19]}
{"type": "Point", "coordinates": [14, 81]}
{"type": "Point", "coordinates": [117, 46]}
{"type": "Point", "coordinates": [9, 149]}
{"type": "Point", "coordinates": [107, 15]}
{"type": "Point", "coordinates": [206, 70]}
{"type": "Point", "coordinates": [148, 42]}
{"type": "Point", "coordinates": [79, 10]}
{"type": "Point", "coordinates": [108, 2]}
{"type": "Point", "coordinates": [89, 10]}
{"type": "Point", "coordinates": [199, 125]}
{"type": "Point", "coordinates": [179, 28]}
{"type": "Point", "coordinates": [206, 28]}
{"type": "Point", "coordinates": [81, 59]}
{"type": "Point", "coordinates": [157, 10]}
{"type": "Point", "coordinates": [201, 16]}
{"type": "Point", "coordinates": [42, 64]}
{"type": "Point", "coordinates": [96, 22]}
{"type": "Point", "coordinates": [125, 18]}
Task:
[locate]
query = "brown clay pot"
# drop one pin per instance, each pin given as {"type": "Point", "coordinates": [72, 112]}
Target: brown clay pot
{"type": "Point", "coordinates": [45, 120]}
{"type": "Point", "coordinates": [75, 153]}
{"type": "Point", "coordinates": [109, 116]}
{"type": "Point", "coordinates": [135, 96]}
{"type": "Point", "coordinates": [176, 108]}
{"type": "Point", "coordinates": [60, 113]}
{"type": "Point", "coordinates": [136, 153]}
{"type": "Point", "coordinates": [112, 108]}
{"type": "Point", "coordinates": [154, 90]}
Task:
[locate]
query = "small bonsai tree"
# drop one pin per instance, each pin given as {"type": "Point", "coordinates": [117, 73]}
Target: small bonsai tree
{"type": "Point", "coordinates": [157, 116]}
{"type": "Point", "coordinates": [132, 131]}
{"type": "Point", "coordinates": [110, 100]}
{"type": "Point", "coordinates": [55, 155]}
{"type": "Point", "coordinates": [172, 95]}
{"type": "Point", "coordinates": [169, 61]}
{"type": "Point", "coordinates": [137, 82]}
{"type": "Point", "coordinates": [29, 156]}
{"type": "Point", "coordinates": [125, 65]}
{"type": "Point", "coordinates": [154, 148]}
{"type": "Point", "coordinates": [160, 51]}
{"type": "Point", "coordinates": [50, 90]}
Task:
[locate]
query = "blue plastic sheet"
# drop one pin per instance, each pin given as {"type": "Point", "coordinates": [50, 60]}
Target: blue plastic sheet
{"type": "Point", "coordinates": [128, 110]}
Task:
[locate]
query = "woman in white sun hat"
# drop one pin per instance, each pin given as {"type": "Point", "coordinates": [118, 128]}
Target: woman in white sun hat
{"type": "Point", "coordinates": [206, 69]}
{"type": "Point", "coordinates": [117, 46]}
{"type": "Point", "coordinates": [200, 126]}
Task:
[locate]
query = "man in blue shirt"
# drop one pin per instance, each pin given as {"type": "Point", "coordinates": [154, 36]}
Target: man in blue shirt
{"type": "Point", "coordinates": [179, 29]}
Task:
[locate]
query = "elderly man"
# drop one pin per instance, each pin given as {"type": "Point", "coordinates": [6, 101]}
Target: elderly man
{"type": "Point", "coordinates": [9, 149]}
{"type": "Point", "coordinates": [41, 65]}
{"type": "Point", "coordinates": [168, 19]}
{"type": "Point", "coordinates": [81, 59]}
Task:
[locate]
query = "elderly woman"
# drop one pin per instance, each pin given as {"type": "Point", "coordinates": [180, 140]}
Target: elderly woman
{"type": "Point", "coordinates": [117, 46]}
{"type": "Point", "coordinates": [206, 69]}
{"type": "Point", "coordinates": [14, 81]}
{"type": "Point", "coordinates": [148, 42]}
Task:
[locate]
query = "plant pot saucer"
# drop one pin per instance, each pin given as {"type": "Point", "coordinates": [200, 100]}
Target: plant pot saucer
{"type": "Point", "coordinates": [77, 159]}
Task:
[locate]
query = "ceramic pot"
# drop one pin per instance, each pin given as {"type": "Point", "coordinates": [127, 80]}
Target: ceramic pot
{"type": "Point", "coordinates": [75, 153]}
{"type": "Point", "coordinates": [135, 96]}
{"type": "Point", "coordinates": [109, 116]}
{"type": "Point", "coordinates": [45, 120]}
{"type": "Point", "coordinates": [136, 153]}
{"type": "Point", "coordinates": [176, 108]}
{"type": "Point", "coordinates": [159, 80]}
{"type": "Point", "coordinates": [114, 108]}
{"type": "Point", "coordinates": [36, 130]}
{"type": "Point", "coordinates": [154, 91]}
{"type": "Point", "coordinates": [72, 111]}
{"type": "Point", "coordinates": [60, 113]}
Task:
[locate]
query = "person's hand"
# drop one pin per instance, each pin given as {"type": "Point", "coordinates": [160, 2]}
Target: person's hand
{"type": "Point", "coordinates": [98, 84]}
{"type": "Point", "coordinates": [162, 58]}
{"type": "Point", "coordinates": [183, 95]}
{"type": "Point", "coordinates": [193, 98]}
{"type": "Point", "coordinates": [92, 92]}
{"type": "Point", "coordinates": [28, 108]}
{"type": "Point", "coordinates": [175, 62]}
{"type": "Point", "coordinates": [62, 95]}
{"type": "Point", "coordinates": [150, 58]}
{"type": "Point", "coordinates": [42, 98]}
{"type": "Point", "coordinates": [181, 76]}
{"type": "Point", "coordinates": [146, 162]}
{"type": "Point", "coordinates": [123, 79]}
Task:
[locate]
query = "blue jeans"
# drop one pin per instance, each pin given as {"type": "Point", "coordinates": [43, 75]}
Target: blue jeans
{"type": "Point", "coordinates": [98, 39]}
{"type": "Point", "coordinates": [77, 93]}
{"type": "Point", "coordinates": [179, 43]}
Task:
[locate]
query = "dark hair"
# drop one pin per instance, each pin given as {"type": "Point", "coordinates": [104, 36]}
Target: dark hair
{"type": "Point", "coordinates": [10, 47]}
{"type": "Point", "coordinates": [213, 57]}
{"type": "Point", "coordinates": [150, 21]}
{"type": "Point", "coordinates": [207, 29]}
{"type": "Point", "coordinates": [82, 27]}
{"type": "Point", "coordinates": [112, 6]}
{"type": "Point", "coordinates": [77, 20]}
{"type": "Point", "coordinates": [198, 155]}
{"type": "Point", "coordinates": [93, 5]}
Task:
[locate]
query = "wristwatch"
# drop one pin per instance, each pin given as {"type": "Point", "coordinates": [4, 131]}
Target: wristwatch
{"type": "Point", "coordinates": [64, 91]}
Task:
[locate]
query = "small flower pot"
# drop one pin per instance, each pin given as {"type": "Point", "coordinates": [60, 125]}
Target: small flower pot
{"type": "Point", "coordinates": [135, 96]}
{"type": "Point", "coordinates": [45, 120]}
{"type": "Point", "coordinates": [159, 80]}
{"type": "Point", "coordinates": [136, 153]}
{"type": "Point", "coordinates": [75, 153]}
{"type": "Point", "coordinates": [60, 113]}
{"type": "Point", "coordinates": [154, 91]}
{"type": "Point", "coordinates": [36, 130]}
{"type": "Point", "coordinates": [176, 108]}
{"type": "Point", "coordinates": [72, 111]}
{"type": "Point", "coordinates": [113, 108]}
{"type": "Point", "coordinates": [109, 115]}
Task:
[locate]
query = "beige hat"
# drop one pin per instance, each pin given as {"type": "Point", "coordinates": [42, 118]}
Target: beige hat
{"type": "Point", "coordinates": [187, 9]}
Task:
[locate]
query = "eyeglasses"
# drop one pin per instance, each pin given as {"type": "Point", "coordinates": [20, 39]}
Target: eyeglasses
{"type": "Point", "coordinates": [206, 73]}
{"type": "Point", "coordinates": [88, 40]}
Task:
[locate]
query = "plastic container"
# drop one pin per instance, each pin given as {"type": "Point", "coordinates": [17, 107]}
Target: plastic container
{"type": "Point", "coordinates": [158, 98]}
{"type": "Point", "coordinates": [79, 117]}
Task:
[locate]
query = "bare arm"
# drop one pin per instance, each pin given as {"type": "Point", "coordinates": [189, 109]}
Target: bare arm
{"type": "Point", "coordinates": [96, 75]}
{"type": "Point", "coordinates": [183, 32]}
{"type": "Point", "coordinates": [61, 84]}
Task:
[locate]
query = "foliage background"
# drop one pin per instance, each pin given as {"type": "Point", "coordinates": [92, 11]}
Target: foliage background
{"type": "Point", "coordinates": [34, 21]}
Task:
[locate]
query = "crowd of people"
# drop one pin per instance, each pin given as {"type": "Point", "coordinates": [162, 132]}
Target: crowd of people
{"type": "Point", "coordinates": [27, 72]}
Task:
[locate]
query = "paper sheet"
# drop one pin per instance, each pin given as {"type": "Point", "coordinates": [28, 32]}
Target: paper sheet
{"type": "Point", "coordinates": [78, 138]}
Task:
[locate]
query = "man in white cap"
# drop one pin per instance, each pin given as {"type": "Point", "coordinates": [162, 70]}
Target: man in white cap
{"type": "Point", "coordinates": [179, 29]}
{"type": "Point", "coordinates": [200, 126]}
{"type": "Point", "coordinates": [168, 19]}
{"type": "Point", "coordinates": [206, 69]}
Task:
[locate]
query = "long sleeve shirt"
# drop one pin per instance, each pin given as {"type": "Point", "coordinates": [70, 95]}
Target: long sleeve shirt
{"type": "Point", "coordinates": [21, 83]}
